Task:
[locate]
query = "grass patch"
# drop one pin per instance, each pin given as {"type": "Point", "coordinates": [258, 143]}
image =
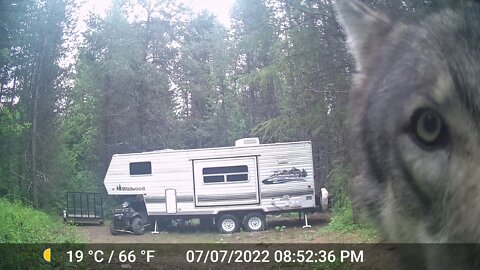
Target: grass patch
{"type": "Point", "coordinates": [342, 222]}
{"type": "Point", "coordinates": [27, 232]}
{"type": "Point", "coordinates": [23, 224]}
{"type": "Point", "coordinates": [342, 219]}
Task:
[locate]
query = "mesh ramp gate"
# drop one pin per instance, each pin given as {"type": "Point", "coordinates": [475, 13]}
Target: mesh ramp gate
{"type": "Point", "coordinates": [84, 207]}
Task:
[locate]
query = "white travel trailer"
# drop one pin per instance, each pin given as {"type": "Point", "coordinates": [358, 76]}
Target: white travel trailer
{"type": "Point", "coordinates": [232, 186]}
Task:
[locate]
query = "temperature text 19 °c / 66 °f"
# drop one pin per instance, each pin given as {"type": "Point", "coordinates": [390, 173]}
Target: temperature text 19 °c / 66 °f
{"type": "Point", "coordinates": [100, 256]}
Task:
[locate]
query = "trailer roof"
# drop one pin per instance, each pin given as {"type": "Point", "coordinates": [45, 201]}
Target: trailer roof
{"type": "Point", "coordinates": [211, 148]}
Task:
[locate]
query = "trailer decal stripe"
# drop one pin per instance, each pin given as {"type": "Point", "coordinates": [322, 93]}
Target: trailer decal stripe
{"type": "Point", "coordinates": [229, 197]}
{"type": "Point", "coordinates": [161, 199]}
{"type": "Point", "coordinates": [281, 193]}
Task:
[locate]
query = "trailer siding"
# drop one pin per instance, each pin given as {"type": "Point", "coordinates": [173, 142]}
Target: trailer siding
{"type": "Point", "coordinates": [270, 187]}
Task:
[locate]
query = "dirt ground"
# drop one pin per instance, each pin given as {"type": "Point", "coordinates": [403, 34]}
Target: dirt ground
{"type": "Point", "coordinates": [281, 229]}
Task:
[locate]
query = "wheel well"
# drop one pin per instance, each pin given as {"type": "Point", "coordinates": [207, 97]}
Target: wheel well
{"type": "Point", "coordinates": [143, 216]}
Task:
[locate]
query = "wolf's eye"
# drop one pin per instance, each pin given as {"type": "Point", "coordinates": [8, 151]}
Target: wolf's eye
{"type": "Point", "coordinates": [428, 127]}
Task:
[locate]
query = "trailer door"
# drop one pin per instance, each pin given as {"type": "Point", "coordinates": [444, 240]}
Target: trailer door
{"type": "Point", "coordinates": [171, 200]}
{"type": "Point", "coordinates": [226, 181]}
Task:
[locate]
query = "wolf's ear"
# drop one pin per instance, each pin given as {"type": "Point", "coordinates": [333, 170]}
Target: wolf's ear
{"type": "Point", "coordinates": [364, 28]}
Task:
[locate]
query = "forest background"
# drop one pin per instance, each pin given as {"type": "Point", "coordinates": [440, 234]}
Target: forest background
{"type": "Point", "coordinates": [148, 76]}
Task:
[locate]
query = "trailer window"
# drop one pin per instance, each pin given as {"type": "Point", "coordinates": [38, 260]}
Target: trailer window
{"type": "Point", "coordinates": [140, 168]}
{"type": "Point", "coordinates": [214, 179]}
{"type": "Point", "coordinates": [225, 174]}
{"type": "Point", "coordinates": [237, 177]}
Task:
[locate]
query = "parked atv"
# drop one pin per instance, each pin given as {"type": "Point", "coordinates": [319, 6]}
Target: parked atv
{"type": "Point", "coordinates": [129, 218]}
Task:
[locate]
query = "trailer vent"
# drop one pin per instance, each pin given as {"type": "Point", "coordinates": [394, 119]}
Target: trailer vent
{"type": "Point", "coordinates": [247, 142]}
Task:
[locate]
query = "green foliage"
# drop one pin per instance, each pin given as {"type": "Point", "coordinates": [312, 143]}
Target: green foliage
{"type": "Point", "coordinates": [205, 101]}
{"type": "Point", "coordinates": [80, 138]}
{"type": "Point", "coordinates": [281, 228]}
{"type": "Point", "coordinates": [22, 224]}
{"type": "Point", "coordinates": [31, 87]}
{"type": "Point", "coordinates": [151, 80]}
{"type": "Point", "coordinates": [26, 232]}
{"type": "Point", "coordinates": [340, 176]}
{"type": "Point", "coordinates": [124, 71]}
{"type": "Point", "coordinates": [12, 130]}
{"type": "Point", "coordinates": [342, 219]}
{"type": "Point", "coordinates": [342, 222]}
{"type": "Point", "coordinates": [10, 122]}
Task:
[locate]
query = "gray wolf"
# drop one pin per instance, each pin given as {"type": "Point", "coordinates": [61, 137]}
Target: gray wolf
{"type": "Point", "coordinates": [414, 120]}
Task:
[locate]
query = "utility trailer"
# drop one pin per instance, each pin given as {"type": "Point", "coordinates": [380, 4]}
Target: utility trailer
{"type": "Point", "coordinates": [84, 208]}
{"type": "Point", "coordinates": [232, 187]}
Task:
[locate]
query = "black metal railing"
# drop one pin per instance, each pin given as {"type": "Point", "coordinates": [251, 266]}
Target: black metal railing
{"type": "Point", "coordinates": [84, 206]}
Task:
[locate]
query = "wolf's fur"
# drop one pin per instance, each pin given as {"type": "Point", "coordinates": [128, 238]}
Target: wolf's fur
{"type": "Point", "coordinates": [417, 190]}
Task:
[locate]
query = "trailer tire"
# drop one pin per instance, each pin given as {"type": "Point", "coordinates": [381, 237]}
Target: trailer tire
{"type": "Point", "coordinates": [137, 225]}
{"type": "Point", "coordinates": [228, 223]}
{"type": "Point", "coordinates": [113, 231]}
{"type": "Point", "coordinates": [254, 222]}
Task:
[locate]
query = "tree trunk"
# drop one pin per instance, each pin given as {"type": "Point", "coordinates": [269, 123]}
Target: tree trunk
{"type": "Point", "coordinates": [34, 149]}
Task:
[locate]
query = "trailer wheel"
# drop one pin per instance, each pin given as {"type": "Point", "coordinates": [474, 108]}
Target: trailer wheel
{"type": "Point", "coordinates": [113, 231]}
{"type": "Point", "coordinates": [228, 223]}
{"type": "Point", "coordinates": [254, 222]}
{"type": "Point", "coordinates": [138, 227]}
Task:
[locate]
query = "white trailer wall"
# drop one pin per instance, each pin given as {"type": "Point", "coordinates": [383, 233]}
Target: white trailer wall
{"type": "Point", "coordinates": [269, 167]}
